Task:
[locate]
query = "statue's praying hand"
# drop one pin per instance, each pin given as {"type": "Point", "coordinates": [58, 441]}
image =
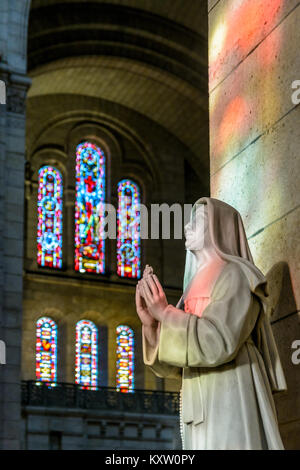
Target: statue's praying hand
{"type": "Point", "coordinates": [151, 290]}
{"type": "Point", "coordinates": [148, 271]}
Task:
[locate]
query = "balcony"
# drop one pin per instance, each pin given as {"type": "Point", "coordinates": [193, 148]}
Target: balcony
{"type": "Point", "coordinates": [67, 395]}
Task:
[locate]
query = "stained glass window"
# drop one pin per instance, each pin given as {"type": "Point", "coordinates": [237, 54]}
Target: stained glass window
{"type": "Point", "coordinates": [86, 367]}
{"type": "Point", "coordinates": [90, 198]}
{"type": "Point", "coordinates": [125, 359]}
{"type": "Point", "coordinates": [46, 350]}
{"type": "Point", "coordinates": [128, 235]}
{"type": "Point", "coordinates": [49, 232]}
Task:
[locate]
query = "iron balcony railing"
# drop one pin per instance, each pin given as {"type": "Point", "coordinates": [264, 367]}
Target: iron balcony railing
{"type": "Point", "coordinates": [68, 395]}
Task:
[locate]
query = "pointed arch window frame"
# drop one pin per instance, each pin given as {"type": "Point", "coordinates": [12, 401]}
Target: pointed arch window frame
{"type": "Point", "coordinates": [124, 357]}
{"type": "Point", "coordinates": [43, 345]}
{"type": "Point", "coordinates": [50, 213]}
{"type": "Point", "coordinates": [79, 355]}
{"type": "Point", "coordinates": [129, 231]}
{"type": "Point", "coordinates": [89, 209]}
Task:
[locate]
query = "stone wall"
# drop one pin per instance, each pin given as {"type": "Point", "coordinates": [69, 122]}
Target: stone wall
{"type": "Point", "coordinates": [254, 151]}
{"type": "Point", "coordinates": [60, 429]}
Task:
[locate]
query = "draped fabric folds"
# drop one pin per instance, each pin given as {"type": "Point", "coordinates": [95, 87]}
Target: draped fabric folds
{"type": "Point", "coordinates": [223, 349]}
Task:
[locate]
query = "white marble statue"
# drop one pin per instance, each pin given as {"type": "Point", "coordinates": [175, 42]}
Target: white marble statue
{"type": "Point", "coordinates": [218, 339]}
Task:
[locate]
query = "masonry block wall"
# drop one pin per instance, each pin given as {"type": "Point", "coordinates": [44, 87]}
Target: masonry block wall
{"type": "Point", "coordinates": [254, 152]}
{"type": "Point", "coordinates": [59, 429]}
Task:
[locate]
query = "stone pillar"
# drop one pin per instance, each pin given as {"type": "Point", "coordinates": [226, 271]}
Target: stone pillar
{"type": "Point", "coordinates": [13, 58]}
{"type": "Point", "coordinates": [12, 165]}
{"type": "Point", "coordinates": [254, 150]}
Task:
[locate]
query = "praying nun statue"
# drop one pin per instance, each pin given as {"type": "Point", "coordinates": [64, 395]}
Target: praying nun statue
{"type": "Point", "coordinates": [218, 339]}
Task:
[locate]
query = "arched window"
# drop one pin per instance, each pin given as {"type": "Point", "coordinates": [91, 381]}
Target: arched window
{"type": "Point", "coordinates": [50, 206]}
{"type": "Point", "coordinates": [86, 367]}
{"type": "Point", "coordinates": [125, 359]}
{"type": "Point", "coordinates": [89, 208]}
{"type": "Point", "coordinates": [46, 350]}
{"type": "Point", "coordinates": [128, 235]}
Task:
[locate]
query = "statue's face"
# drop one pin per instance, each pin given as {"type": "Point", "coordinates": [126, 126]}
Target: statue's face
{"type": "Point", "coordinates": [195, 230]}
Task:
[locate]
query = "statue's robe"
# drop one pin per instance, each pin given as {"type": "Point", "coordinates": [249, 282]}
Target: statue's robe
{"type": "Point", "coordinates": [226, 394]}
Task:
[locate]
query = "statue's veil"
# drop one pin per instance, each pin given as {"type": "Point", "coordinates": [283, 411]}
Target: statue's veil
{"type": "Point", "coordinates": [228, 237]}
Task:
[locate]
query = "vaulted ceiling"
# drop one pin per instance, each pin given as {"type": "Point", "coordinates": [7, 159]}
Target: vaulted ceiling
{"type": "Point", "coordinates": [147, 56]}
